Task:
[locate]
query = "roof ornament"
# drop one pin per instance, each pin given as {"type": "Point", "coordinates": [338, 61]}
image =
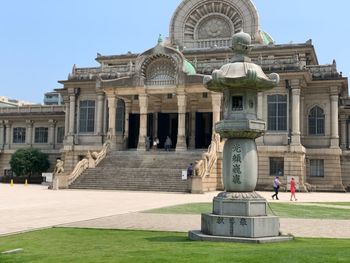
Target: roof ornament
{"type": "Point", "coordinates": [160, 39]}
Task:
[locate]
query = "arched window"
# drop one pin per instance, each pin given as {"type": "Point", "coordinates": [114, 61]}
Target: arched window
{"type": "Point", "coordinates": [316, 121]}
{"type": "Point", "coordinates": [160, 72]}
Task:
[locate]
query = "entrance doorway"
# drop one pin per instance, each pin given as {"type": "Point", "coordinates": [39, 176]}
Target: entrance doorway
{"type": "Point", "coordinates": [134, 129]}
{"type": "Point", "coordinates": [167, 126]}
{"type": "Point", "coordinates": [204, 129]}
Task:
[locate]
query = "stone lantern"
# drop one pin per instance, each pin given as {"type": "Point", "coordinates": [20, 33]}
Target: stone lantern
{"type": "Point", "coordinates": [240, 214]}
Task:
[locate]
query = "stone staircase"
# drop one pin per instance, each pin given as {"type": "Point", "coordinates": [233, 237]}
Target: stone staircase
{"type": "Point", "coordinates": [137, 171]}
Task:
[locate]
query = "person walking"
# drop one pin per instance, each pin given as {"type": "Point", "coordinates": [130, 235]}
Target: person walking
{"type": "Point", "coordinates": [292, 190]}
{"type": "Point", "coordinates": [276, 187]}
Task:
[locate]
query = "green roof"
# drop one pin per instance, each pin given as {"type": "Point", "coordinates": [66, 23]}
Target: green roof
{"type": "Point", "coordinates": [188, 68]}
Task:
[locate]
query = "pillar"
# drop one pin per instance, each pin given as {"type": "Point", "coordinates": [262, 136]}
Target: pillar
{"type": "Point", "coordinates": [111, 120]}
{"type": "Point", "coordinates": [99, 113]}
{"type": "Point", "coordinates": [295, 114]}
{"type": "Point", "coordinates": [71, 115]}
{"type": "Point", "coordinates": [2, 133]}
{"type": "Point", "coordinates": [216, 104]}
{"type": "Point", "coordinates": [66, 121]}
{"type": "Point", "coordinates": [126, 127]}
{"type": "Point", "coordinates": [51, 135]}
{"type": "Point", "coordinates": [343, 124]}
{"type": "Point", "coordinates": [8, 125]}
{"type": "Point", "coordinates": [143, 100]}
{"type": "Point", "coordinates": [334, 121]}
{"type": "Point", "coordinates": [29, 132]}
{"type": "Point", "coordinates": [193, 129]}
{"type": "Point", "coordinates": [181, 136]}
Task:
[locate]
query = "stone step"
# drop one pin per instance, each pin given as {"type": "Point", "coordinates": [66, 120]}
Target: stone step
{"type": "Point", "coordinates": [132, 170]}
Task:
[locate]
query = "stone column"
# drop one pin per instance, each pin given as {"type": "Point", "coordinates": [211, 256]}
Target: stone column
{"type": "Point", "coordinates": [71, 115]}
{"type": "Point", "coordinates": [126, 127]}
{"type": "Point", "coordinates": [51, 135]}
{"type": "Point", "coordinates": [295, 114]}
{"type": "Point", "coordinates": [99, 109]}
{"type": "Point", "coordinates": [29, 132]}
{"type": "Point", "coordinates": [155, 125]}
{"type": "Point", "coordinates": [334, 121]}
{"type": "Point", "coordinates": [193, 129]}
{"type": "Point", "coordinates": [66, 121]}
{"type": "Point", "coordinates": [181, 136]}
{"type": "Point", "coordinates": [343, 123]}
{"type": "Point", "coordinates": [216, 104]}
{"type": "Point", "coordinates": [143, 100]}
{"type": "Point", "coordinates": [2, 133]}
{"type": "Point", "coordinates": [8, 141]}
{"type": "Point", "coordinates": [111, 120]}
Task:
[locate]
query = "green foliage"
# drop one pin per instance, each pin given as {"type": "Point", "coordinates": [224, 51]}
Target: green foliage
{"type": "Point", "coordinates": [82, 245]}
{"type": "Point", "coordinates": [28, 162]}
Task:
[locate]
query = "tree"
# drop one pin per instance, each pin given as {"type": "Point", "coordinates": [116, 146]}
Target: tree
{"type": "Point", "coordinates": [29, 162]}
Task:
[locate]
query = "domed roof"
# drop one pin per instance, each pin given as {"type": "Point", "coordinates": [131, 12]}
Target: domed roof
{"type": "Point", "coordinates": [206, 23]}
{"type": "Point", "coordinates": [188, 68]}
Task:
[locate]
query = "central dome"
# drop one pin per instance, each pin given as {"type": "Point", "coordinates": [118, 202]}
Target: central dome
{"type": "Point", "coordinates": [198, 24]}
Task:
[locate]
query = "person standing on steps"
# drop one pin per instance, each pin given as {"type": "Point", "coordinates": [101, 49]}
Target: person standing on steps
{"type": "Point", "coordinates": [167, 144]}
{"type": "Point", "coordinates": [276, 187]}
{"type": "Point", "coordinates": [292, 190]}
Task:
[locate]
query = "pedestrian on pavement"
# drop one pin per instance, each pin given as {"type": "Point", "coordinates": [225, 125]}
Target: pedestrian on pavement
{"type": "Point", "coordinates": [276, 187]}
{"type": "Point", "coordinates": [292, 190]}
{"type": "Point", "coordinates": [148, 143]}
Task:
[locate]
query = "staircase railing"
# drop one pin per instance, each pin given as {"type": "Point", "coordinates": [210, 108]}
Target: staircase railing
{"type": "Point", "coordinates": [203, 167]}
{"type": "Point", "coordinates": [91, 160]}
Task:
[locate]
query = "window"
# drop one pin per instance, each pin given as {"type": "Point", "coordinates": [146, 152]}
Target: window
{"type": "Point", "coordinates": [276, 166]}
{"type": "Point", "coordinates": [205, 95]}
{"type": "Point", "coordinates": [19, 135]}
{"type": "Point", "coordinates": [120, 117]}
{"type": "Point", "coordinates": [237, 103]}
{"type": "Point", "coordinates": [277, 112]}
{"type": "Point", "coordinates": [41, 135]}
{"type": "Point", "coordinates": [316, 121]}
{"type": "Point", "coordinates": [170, 96]}
{"type": "Point", "coordinates": [317, 168]}
{"type": "Point", "coordinates": [60, 134]}
{"type": "Point", "coordinates": [87, 116]}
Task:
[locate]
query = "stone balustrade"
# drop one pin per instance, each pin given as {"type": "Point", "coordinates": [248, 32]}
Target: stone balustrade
{"type": "Point", "coordinates": [32, 109]}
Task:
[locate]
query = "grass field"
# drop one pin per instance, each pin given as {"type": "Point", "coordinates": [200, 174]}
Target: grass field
{"type": "Point", "coordinates": [98, 246]}
{"type": "Point", "coordinates": [286, 210]}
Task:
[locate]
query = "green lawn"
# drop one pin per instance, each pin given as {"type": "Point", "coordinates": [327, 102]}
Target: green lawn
{"type": "Point", "coordinates": [286, 210]}
{"type": "Point", "coordinates": [97, 246]}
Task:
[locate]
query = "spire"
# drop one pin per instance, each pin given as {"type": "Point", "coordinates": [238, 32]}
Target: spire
{"type": "Point", "coordinates": [160, 39]}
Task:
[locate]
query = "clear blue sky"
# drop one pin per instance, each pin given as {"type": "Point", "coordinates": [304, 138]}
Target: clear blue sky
{"type": "Point", "coordinates": [41, 39]}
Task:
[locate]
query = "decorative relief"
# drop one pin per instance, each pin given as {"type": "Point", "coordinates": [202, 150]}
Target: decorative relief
{"type": "Point", "coordinates": [213, 20]}
{"type": "Point", "coordinates": [161, 71]}
{"type": "Point", "coordinates": [214, 27]}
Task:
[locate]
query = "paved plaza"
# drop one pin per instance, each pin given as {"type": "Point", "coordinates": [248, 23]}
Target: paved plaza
{"type": "Point", "coordinates": [25, 208]}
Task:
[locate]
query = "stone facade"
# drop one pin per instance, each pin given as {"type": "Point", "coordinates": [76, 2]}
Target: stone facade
{"type": "Point", "coordinates": [160, 92]}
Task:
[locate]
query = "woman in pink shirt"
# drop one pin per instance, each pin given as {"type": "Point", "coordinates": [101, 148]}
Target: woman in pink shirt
{"type": "Point", "coordinates": [292, 190]}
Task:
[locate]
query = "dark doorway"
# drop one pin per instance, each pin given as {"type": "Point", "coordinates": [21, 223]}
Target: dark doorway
{"type": "Point", "coordinates": [167, 126]}
{"type": "Point", "coordinates": [204, 129]}
{"type": "Point", "coordinates": [134, 128]}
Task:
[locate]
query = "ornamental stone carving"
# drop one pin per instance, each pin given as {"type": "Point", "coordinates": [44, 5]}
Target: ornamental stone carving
{"type": "Point", "coordinates": [214, 27]}
{"type": "Point", "coordinates": [211, 23]}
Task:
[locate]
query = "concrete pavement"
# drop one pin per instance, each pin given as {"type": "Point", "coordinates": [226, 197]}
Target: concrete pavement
{"type": "Point", "coordinates": [24, 208]}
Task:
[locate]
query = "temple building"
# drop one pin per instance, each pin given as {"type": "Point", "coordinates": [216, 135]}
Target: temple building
{"type": "Point", "coordinates": [130, 98]}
